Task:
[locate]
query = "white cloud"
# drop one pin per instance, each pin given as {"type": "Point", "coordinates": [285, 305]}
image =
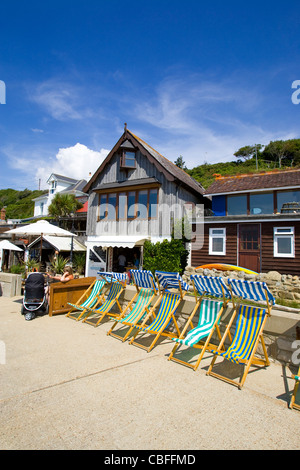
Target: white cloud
{"type": "Point", "coordinates": [77, 162]}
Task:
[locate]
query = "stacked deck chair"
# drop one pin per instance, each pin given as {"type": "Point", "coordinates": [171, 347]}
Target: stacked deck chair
{"type": "Point", "coordinates": [293, 403]}
{"type": "Point", "coordinates": [249, 326]}
{"type": "Point", "coordinates": [210, 311]}
{"type": "Point", "coordinates": [117, 283]}
{"type": "Point", "coordinates": [138, 307]}
{"type": "Point", "coordinates": [90, 299]}
{"type": "Point", "coordinates": [167, 305]}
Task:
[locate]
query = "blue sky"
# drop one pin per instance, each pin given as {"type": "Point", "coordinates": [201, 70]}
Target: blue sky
{"type": "Point", "coordinates": [198, 79]}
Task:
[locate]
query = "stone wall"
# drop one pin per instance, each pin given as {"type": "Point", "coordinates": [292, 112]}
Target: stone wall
{"type": "Point", "coordinates": [10, 284]}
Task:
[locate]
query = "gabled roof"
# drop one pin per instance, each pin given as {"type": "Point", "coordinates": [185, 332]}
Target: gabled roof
{"type": "Point", "coordinates": [77, 186]}
{"type": "Point", "coordinates": [255, 182]}
{"type": "Point", "coordinates": [62, 178]}
{"type": "Point", "coordinates": [169, 169]}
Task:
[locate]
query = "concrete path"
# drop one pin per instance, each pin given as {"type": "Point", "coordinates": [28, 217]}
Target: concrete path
{"type": "Point", "coordinates": [67, 385]}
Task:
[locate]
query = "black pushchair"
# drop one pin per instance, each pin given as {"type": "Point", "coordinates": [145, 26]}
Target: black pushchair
{"type": "Point", "coordinates": [35, 300]}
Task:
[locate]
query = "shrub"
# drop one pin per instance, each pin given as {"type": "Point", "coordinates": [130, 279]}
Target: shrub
{"type": "Point", "coordinates": [165, 256]}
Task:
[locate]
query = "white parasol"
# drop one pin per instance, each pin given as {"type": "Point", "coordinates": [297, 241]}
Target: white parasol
{"type": "Point", "coordinates": [42, 227]}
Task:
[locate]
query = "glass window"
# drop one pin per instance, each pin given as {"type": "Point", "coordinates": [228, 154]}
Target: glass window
{"type": "Point", "coordinates": [237, 205]}
{"type": "Point", "coordinates": [102, 212]}
{"type": "Point", "coordinates": [131, 205]}
{"type": "Point", "coordinates": [129, 159]}
{"type": "Point", "coordinates": [261, 203]}
{"type": "Point", "coordinates": [111, 208]}
{"type": "Point", "coordinates": [122, 205]}
{"type": "Point", "coordinates": [142, 211]}
{"type": "Point", "coordinates": [284, 242]}
{"type": "Point", "coordinates": [153, 196]}
{"type": "Point", "coordinates": [217, 241]}
{"type": "Point", "coordinates": [284, 197]}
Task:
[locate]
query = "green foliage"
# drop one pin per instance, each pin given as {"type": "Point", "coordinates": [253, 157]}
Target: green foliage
{"type": "Point", "coordinates": [18, 204]}
{"type": "Point", "coordinates": [79, 260]}
{"type": "Point", "coordinates": [63, 205]}
{"type": "Point", "coordinates": [58, 263]}
{"type": "Point", "coordinates": [164, 256]}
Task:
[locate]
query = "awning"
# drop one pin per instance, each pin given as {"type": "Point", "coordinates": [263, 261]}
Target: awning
{"type": "Point", "coordinates": [128, 241]}
{"type": "Point", "coordinates": [60, 243]}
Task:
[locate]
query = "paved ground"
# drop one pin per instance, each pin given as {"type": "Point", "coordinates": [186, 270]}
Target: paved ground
{"type": "Point", "coordinates": [67, 385]}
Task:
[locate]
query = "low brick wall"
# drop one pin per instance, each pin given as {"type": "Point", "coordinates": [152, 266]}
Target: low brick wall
{"type": "Point", "coordinates": [10, 284]}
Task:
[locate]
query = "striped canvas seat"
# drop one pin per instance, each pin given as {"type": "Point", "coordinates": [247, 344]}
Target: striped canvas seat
{"type": "Point", "coordinates": [209, 310]}
{"type": "Point", "coordinates": [210, 285]}
{"type": "Point", "coordinates": [138, 306]}
{"type": "Point", "coordinates": [112, 298]}
{"type": "Point", "coordinates": [91, 300]}
{"type": "Point", "coordinates": [162, 319]}
{"type": "Point", "coordinates": [249, 322]}
{"type": "Point", "coordinates": [169, 280]}
{"type": "Point", "coordinates": [112, 276]}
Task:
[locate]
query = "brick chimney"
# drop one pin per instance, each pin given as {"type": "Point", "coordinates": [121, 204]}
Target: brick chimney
{"type": "Point", "coordinates": [3, 213]}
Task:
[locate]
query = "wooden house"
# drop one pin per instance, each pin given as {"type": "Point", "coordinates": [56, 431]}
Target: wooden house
{"type": "Point", "coordinates": [255, 222]}
{"type": "Point", "coordinates": [135, 195]}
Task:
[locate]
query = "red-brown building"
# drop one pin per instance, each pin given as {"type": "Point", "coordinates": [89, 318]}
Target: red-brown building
{"type": "Point", "coordinates": [255, 222]}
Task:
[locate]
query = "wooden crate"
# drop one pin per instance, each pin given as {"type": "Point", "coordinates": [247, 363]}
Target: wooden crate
{"type": "Point", "coordinates": [63, 292]}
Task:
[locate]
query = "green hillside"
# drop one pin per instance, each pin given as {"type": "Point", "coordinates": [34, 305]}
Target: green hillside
{"type": "Point", "coordinates": [18, 204]}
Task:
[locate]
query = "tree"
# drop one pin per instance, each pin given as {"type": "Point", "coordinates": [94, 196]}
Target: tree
{"type": "Point", "coordinates": [63, 205]}
{"type": "Point", "coordinates": [285, 152]}
{"type": "Point", "coordinates": [180, 163]}
{"type": "Point", "coordinates": [248, 151]}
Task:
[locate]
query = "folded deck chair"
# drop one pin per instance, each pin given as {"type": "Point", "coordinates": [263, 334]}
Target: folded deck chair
{"type": "Point", "coordinates": [167, 305]}
{"type": "Point", "coordinates": [250, 323]}
{"type": "Point", "coordinates": [210, 312]}
{"type": "Point", "coordinates": [138, 307]}
{"type": "Point", "coordinates": [293, 403]}
{"type": "Point", "coordinates": [91, 298]}
{"type": "Point", "coordinates": [118, 284]}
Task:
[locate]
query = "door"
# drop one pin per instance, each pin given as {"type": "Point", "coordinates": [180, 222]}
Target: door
{"type": "Point", "coordinates": [249, 246]}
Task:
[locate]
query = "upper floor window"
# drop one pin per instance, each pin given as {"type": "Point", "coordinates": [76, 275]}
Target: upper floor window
{"type": "Point", "coordinates": [237, 205]}
{"type": "Point", "coordinates": [261, 203]}
{"type": "Point", "coordinates": [128, 159]}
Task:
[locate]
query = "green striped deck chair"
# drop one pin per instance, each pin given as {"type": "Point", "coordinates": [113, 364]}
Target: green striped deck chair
{"type": "Point", "coordinates": [249, 326]}
{"type": "Point", "coordinates": [138, 307]}
{"type": "Point", "coordinates": [167, 304]}
{"type": "Point", "coordinates": [116, 289]}
{"type": "Point", "coordinates": [210, 311]}
{"type": "Point", "coordinates": [92, 298]}
{"type": "Point", "coordinates": [293, 403]}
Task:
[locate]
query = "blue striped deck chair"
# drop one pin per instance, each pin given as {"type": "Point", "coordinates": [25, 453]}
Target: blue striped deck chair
{"type": "Point", "coordinates": [293, 403]}
{"type": "Point", "coordinates": [117, 286]}
{"type": "Point", "coordinates": [209, 310]}
{"type": "Point", "coordinates": [91, 298]}
{"type": "Point", "coordinates": [138, 307]}
{"type": "Point", "coordinates": [249, 326]}
{"type": "Point", "coordinates": [167, 305]}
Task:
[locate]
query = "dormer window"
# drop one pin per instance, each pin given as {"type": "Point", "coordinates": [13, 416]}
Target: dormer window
{"type": "Point", "coordinates": [128, 157]}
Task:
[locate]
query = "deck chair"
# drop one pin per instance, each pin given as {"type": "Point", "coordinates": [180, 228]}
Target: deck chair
{"type": "Point", "coordinates": [91, 298]}
{"type": "Point", "coordinates": [138, 307]}
{"type": "Point", "coordinates": [250, 323]}
{"type": "Point", "coordinates": [210, 311]}
{"type": "Point", "coordinates": [167, 304]}
{"type": "Point", "coordinates": [293, 403]}
{"type": "Point", "coordinates": [117, 286]}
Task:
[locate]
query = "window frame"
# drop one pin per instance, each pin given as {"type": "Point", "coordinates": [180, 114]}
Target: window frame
{"type": "Point", "coordinates": [212, 236]}
{"type": "Point", "coordinates": [123, 160]}
{"type": "Point", "coordinates": [279, 235]}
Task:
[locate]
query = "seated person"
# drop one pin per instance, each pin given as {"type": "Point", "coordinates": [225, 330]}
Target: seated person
{"type": "Point", "coordinates": [65, 277]}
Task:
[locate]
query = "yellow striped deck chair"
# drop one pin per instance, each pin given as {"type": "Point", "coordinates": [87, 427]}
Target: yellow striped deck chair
{"type": "Point", "coordinates": [249, 326]}
{"type": "Point", "coordinates": [115, 290]}
{"type": "Point", "coordinates": [293, 403]}
{"type": "Point", "coordinates": [210, 311]}
{"type": "Point", "coordinates": [167, 305]}
{"type": "Point", "coordinates": [138, 307]}
{"type": "Point", "coordinates": [91, 298]}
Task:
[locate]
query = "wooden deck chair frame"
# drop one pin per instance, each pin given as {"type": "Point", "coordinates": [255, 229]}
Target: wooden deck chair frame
{"type": "Point", "coordinates": [139, 304]}
{"type": "Point", "coordinates": [209, 286]}
{"type": "Point", "coordinates": [166, 316]}
{"type": "Point", "coordinates": [239, 309]}
{"type": "Point", "coordinates": [89, 298]}
{"type": "Point", "coordinates": [293, 403]}
{"type": "Point", "coordinates": [115, 280]}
